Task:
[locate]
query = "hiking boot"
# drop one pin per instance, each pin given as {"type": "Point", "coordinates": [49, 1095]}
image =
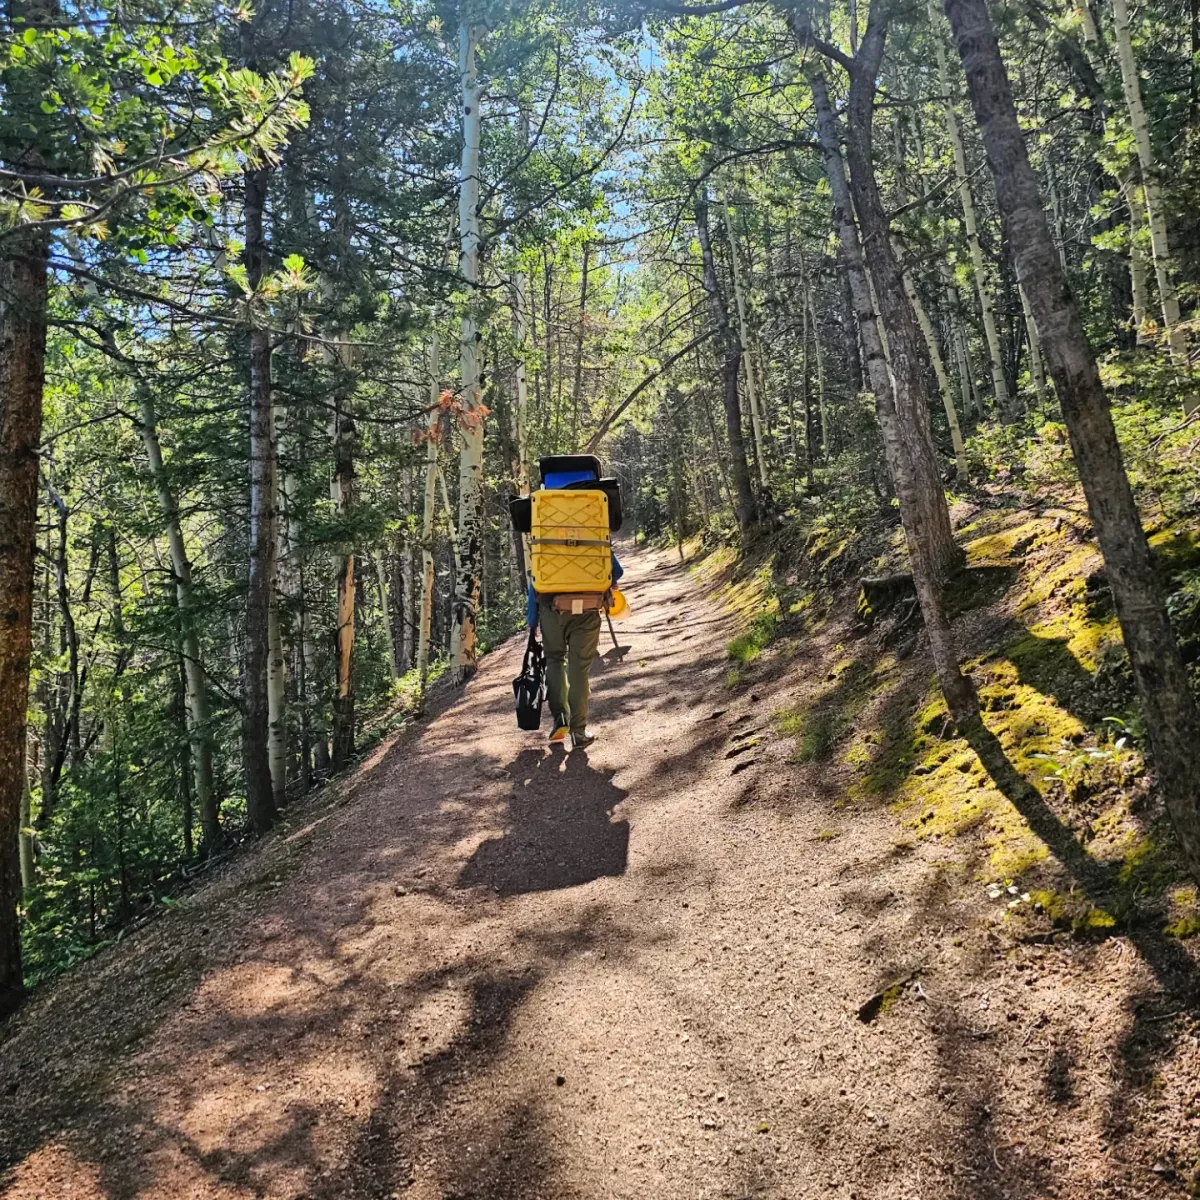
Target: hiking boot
{"type": "Point", "coordinates": [581, 739]}
{"type": "Point", "coordinates": [558, 735]}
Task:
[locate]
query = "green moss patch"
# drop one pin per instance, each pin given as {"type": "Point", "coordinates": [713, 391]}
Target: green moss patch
{"type": "Point", "coordinates": [750, 643]}
{"type": "Point", "coordinates": [1183, 918]}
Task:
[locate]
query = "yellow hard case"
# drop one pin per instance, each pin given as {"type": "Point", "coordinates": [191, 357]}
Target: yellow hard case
{"type": "Point", "coordinates": [570, 547]}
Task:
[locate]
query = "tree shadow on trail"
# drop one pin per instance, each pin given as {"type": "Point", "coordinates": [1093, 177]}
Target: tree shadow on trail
{"type": "Point", "coordinates": [1173, 966]}
{"type": "Point", "coordinates": [1152, 1031]}
{"type": "Point", "coordinates": [559, 831]}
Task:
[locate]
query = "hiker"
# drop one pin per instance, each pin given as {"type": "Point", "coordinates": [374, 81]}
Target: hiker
{"type": "Point", "coordinates": [571, 641]}
{"type": "Point", "coordinates": [572, 569]}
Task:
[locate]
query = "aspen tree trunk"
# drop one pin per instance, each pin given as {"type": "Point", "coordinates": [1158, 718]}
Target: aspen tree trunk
{"type": "Point", "coordinates": [195, 677]}
{"type": "Point", "coordinates": [577, 383]}
{"type": "Point", "coordinates": [521, 414]}
{"type": "Point", "coordinates": [789, 356]}
{"type": "Point", "coordinates": [385, 608]}
{"type": "Point", "coordinates": [764, 397]}
{"type": "Point", "coordinates": [408, 603]}
{"type": "Point", "coordinates": [853, 336]}
{"type": "Point", "coordinates": [428, 510]}
{"type": "Point", "coordinates": [760, 455]}
{"type": "Point", "coordinates": [931, 521]}
{"type": "Point", "coordinates": [28, 864]}
{"type": "Point", "coordinates": [805, 385]}
{"type": "Point", "coordinates": [1036, 369]}
{"type": "Point", "coordinates": [810, 314]}
{"type": "Point", "coordinates": [277, 739]}
{"type": "Point", "coordinates": [292, 585]}
{"type": "Point", "coordinates": [1091, 74]}
{"type": "Point", "coordinates": [1155, 210]}
{"type": "Point", "coordinates": [960, 302]}
{"type": "Point", "coordinates": [1138, 274]}
{"type": "Point", "coordinates": [744, 508]}
{"type": "Point", "coordinates": [1056, 212]}
{"type": "Point", "coordinates": [918, 505]}
{"type": "Point", "coordinates": [261, 585]}
{"type": "Point", "coordinates": [521, 417]}
{"type": "Point", "coordinates": [819, 356]}
{"type": "Point", "coordinates": [344, 494]}
{"type": "Point", "coordinates": [260, 588]}
{"type": "Point", "coordinates": [1137, 255]}
{"type": "Point", "coordinates": [978, 264]}
{"type": "Point", "coordinates": [469, 556]}
{"type": "Point", "coordinates": [964, 369]}
{"type": "Point", "coordinates": [1172, 720]}
{"type": "Point", "coordinates": [23, 297]}
{"type": "Point", "coordinates": [939, 369]}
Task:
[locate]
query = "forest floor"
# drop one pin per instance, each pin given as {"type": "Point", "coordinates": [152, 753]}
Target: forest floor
{"type": "Point", "coordinates": [478, 968]}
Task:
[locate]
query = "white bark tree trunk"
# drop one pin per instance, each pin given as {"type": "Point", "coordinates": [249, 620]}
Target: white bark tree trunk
{"type": "Point", "coordinates": [1130, 187]}
{"type": "Point", "coordinates": [744, 337]}
{"type": "Point", "coordinates": [343, 489]}
{"type": "Point", "coordinates": [1036, 367]}
{"type": "Point", "coordinates": [970, 223]}
{"type": "Point", "coordinates": [1159, 241]}
{"type": "Point", "coordinates": [26, 859]}
{"type": "Point", "coordinates": [939, 369]}
{"type": "Point", "coordinates": [521, 423]}
{"type": "Point", "coordinates": [819, 355]}
{"type": "Point", "coordinates": [428, 509]}
{"type": "Point", "coordinates": [1137, 254]}
{"type": "Point", "coordinates": [408, 605]}
{"type": "Point", "coordinates": [521, 416]}
{"type": "Point", "coordinates": [469, 544]}
{"type": "Point", "coordinates": [385, 610]}
{"type": "Point", "coordinates": [194, 673]}
{"type": "Point", "coordinates": [276, 665]}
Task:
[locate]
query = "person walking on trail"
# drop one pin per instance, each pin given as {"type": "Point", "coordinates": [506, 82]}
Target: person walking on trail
{"type": "Point", "coordinates": [571, 641]}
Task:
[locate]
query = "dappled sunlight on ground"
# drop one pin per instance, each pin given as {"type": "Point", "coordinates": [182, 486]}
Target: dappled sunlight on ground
{"type": "Point", "coordinates": [481, 968]}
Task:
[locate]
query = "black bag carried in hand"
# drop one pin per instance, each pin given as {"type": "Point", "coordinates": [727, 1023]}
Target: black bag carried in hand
{"type": "Point", "coordinates": [530, 686]}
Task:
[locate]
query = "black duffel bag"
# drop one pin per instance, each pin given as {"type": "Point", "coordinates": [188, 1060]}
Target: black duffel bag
{"type": "Point", "coordinates": [529, 687]}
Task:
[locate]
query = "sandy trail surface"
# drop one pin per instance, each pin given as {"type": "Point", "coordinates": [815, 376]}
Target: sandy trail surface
{"type": "Point", "coordinates": [481, 968]}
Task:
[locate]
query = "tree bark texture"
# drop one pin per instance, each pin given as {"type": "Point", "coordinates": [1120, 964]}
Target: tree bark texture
{"type": "Point", "coordinates": [23, 295]}
{"type": "Point", "coordinates": [343, 698]}
{"type": "Point", "coordinates": [260, 802]}
{"type": "Point", "coordinates": [956, 688]}
{"type": "Point", "coordinates": [744, 508]}
{"type": "Point", "coordinates": [929, 517]}
{"type": "Point", "coordinates": [983, 288]}
{"type": "Point", "coordinates": [744, 340]}
{"type": "Point", "coordinates": [428, 512]}
{"type": "Point", "coordinates": [469, 559]}
{"type": "Point", "coordinates": [196, 682]}
{"type": "Point", "coordinates": [1160, 243]}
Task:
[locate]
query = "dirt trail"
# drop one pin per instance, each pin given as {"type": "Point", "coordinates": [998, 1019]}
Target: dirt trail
{"type": "Point", "coordinates": [493, 971]}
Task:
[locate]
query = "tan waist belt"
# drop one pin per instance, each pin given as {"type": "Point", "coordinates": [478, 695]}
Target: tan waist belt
{"type": "Point", "coordinates": [545, 541]}
{"type": "Point", "coordinates": [577, 602]}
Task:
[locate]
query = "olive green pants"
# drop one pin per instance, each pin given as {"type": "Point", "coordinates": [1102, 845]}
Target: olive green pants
{"type": "Point", "coordinates": [571, 641]}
